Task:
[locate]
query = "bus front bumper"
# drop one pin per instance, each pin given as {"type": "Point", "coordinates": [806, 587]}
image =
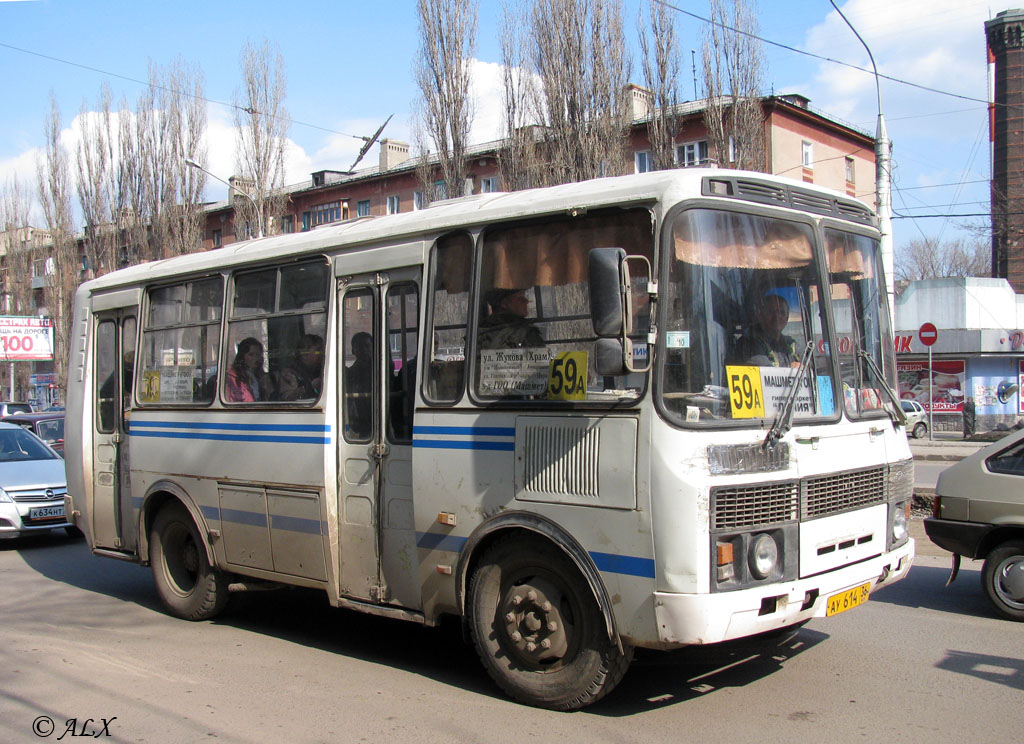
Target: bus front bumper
{"type": "Point", "coordinates": [691, 619]}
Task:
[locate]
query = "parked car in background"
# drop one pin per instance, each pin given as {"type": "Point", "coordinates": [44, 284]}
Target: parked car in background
{"type": "Point", "coordinates": [32, 485]}
{"type": "Point", "coordinates": [9, 407]}
{"type": "Point", "coordinates": [47, 426]}
{"type": "Point", "coordinates": [917, 418]}
{"type": "Point", "coordinates": [979, 513]}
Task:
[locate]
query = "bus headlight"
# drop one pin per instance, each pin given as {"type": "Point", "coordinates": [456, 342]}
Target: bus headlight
{"type": "Point", "coordinates": [900, 519]}
{"type": "Point", "coordinates": [763, 556]}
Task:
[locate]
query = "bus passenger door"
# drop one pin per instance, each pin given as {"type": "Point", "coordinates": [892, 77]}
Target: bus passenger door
{"type": "Point", "coordinates": [377, 370]}
{"type": "Point", "coordinates": [113, 523]}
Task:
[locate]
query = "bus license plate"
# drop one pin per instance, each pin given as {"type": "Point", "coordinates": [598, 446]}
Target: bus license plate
{"type": "Point", "coordinates": [847, 600]}
{"type": "Point", "coordinates": [46, 512]}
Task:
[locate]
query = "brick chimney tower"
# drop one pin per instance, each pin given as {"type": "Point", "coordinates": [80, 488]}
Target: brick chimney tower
{"type": "Point", "coordinates": [1005, 36]}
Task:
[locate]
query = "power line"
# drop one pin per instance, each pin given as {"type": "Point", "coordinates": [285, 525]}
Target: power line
{"type": "Point", "coordinates": [812, 55]}
{"type": "Point", "coordinates": [245, 109]}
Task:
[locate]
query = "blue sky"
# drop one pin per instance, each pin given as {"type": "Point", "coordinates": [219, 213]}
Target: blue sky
{"type": "Point", "coordinates": [349, 66]}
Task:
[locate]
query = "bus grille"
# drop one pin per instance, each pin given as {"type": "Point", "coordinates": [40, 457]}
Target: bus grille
{"type": "Point", "coordinates": [750, 506]}
{"type": "Point", "coordinates": [773, 503]}
{"type": "Point", "coordinates": [832, 494]}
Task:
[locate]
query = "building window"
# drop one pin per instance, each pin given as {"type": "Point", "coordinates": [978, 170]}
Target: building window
{"type": "Point", "coordinates": [363, 208]}
{"type": "Point", "coordinates": [850, 171]}
{"type": "Point", "coordinates": [417, 201]}
{"type": "Point", "coordinates": [642, 161]}
{"type": "Point", "coordinates": [323, 214]}
{"type": "Point", "coordinates": [489, 185]}
{"type": "Point", "coordinates": [218, 239]}
{"type": "Point", "coordinates": [440, 191]}
{"type": "Point", "coordinates": [807, 154]}
{"type": "Point", "coordinates": [732, 149]}
{"type": "Point", "coordinates": [288, 224]}
{"type": "Point", "coordinates": [692, 153]}
{"type": "Point", "coordinates": [394, 204]}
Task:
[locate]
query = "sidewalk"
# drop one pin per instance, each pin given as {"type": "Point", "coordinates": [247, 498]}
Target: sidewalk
{"type": "Point", "coordinates": [947, 448]}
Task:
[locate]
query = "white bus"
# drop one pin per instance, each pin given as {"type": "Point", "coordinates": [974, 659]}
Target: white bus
{"type": "Point", "coordinates": [650, 411]}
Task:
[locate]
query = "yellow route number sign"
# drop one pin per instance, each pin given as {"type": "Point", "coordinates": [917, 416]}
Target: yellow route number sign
{"type": "Point", "coordinates": [567, 376]}
{"type": "Point", "coordinates": [746, 397]}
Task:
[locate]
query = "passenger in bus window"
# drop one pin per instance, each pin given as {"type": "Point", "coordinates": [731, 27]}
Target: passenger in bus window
{"type": "Point", "coordinates": [303, 379]}
{"type": "Point", "coordinates": [506, 325]}
{"type": "Point", "coordinates": [764, 344]}
{"type": "Point", "coordinates": [246, 380]}
{"type": "Point", "coordinates": [359, 387]}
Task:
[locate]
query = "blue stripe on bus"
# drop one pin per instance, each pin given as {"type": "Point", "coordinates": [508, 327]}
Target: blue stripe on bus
{"type": "Point", "coordinates": [607, 562]}
{"type": "Point", "coordinates": [258, 519]}
{"type": "Point", "coordinates": [466, 444]}
{"type": "Point", "coordinates": [624, 564]}
{"type": "Point", "coordinates": [295, 524]}
{"type": "Point", "coordinates": [437, 541]}
{"type": "Point", "coordinates": [469, 431]}
{"type": "Point", "coordinates": [229, 426]}
{"type": "Point", "coordinates": [277, 439]}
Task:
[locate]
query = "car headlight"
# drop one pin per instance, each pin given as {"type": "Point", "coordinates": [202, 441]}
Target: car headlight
{"type": "Point", "coordinates": [763, 556]}
{"type": "Point", "coordinates": [5, 498]}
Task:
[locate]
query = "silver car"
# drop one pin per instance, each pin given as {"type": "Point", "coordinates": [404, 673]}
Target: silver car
{"type": "Point", "coordinates": [32, 484]}
{"type": "Point", "coordinates": [917, 418]}
{"type": "Point", "coordinates": [979, 513]}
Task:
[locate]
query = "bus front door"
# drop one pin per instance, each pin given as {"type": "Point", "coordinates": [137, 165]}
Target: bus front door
{"type": "Point", "coordinates": [377, 377]}
{"type": "Point", "coordinates": [114, 358]}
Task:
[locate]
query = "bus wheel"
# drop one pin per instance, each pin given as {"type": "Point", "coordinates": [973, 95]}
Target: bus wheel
{"type": "Point", "coordinates": [1002, 577]}
{"type": "Point", "coordinates": [538, 629]}
{"type": "Point", "coordinates": [189, 586]}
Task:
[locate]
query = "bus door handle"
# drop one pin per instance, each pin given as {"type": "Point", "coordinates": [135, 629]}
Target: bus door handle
{"type": "Point", "coordinates": [379, 450]}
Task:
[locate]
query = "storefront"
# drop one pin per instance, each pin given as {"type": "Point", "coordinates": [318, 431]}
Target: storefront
{"type": "Point", "coordinates": [977, 357]}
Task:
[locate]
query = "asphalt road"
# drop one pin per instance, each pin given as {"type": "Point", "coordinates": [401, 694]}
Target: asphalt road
{"type": "Point", "coordinates": [84, 638]}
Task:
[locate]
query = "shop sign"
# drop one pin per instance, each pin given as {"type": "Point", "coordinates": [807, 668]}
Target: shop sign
{"type": "Point", "coordinates": [947, 384]}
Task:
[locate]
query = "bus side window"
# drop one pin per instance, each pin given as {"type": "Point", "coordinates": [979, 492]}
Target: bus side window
{"type": "Point", "coordinates": [449, 314]}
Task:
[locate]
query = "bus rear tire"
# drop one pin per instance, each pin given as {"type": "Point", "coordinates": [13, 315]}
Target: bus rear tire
{"type": "Point", "coordinates": [538, 629]}
{"type": "Point", "coordinates": [188, 585]}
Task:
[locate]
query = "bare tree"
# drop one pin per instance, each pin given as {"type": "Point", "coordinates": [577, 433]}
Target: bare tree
{"type": "Point", "coordinates": [660, 60]}
{"type": "Point", "coordinates": [62, 266]}
{"type": "Point", "coordinates": [97, 184]}
{"type": "Point", "coordinates": [928, 259]}
{"type": "Point", "coordinates": [157, 210]}
{"type": "Point", "coordinates": [262, 123]}
{"type": "Point", "coordinates": [733, 63]}
{"type": "Point", "coordinates": [443, 73]}
{"type": "Point", "coordinates": [579, 64]}
{"type": "Point", "coordinates": [518, 159]}
{"type": "Point", "coordinates": [18, 243]}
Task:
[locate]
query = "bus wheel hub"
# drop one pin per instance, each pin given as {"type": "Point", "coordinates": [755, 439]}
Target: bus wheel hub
{"type": "Point", "coordinates": [534, 624]}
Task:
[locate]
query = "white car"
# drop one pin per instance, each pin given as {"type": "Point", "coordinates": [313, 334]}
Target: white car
{"type": "Point", "coordinates": [917, 418]}
{"type": "Point", "coordinates": [32, 484]}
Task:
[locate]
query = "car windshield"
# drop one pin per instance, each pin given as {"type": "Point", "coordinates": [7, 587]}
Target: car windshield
{"type": "Point", "coordinates": [18, 445]}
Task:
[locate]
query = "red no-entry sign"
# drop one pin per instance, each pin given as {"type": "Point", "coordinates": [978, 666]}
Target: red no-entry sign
{"type": "Point", "coordinates": [928, 334]}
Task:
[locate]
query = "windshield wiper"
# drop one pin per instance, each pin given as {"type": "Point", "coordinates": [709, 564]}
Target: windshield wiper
{"type": "Point", "coordinates": [784, 418]}
{"type": "Point", "coordinates": [900, 417]}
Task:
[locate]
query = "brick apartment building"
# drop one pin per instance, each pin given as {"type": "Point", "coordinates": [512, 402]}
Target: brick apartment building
{"type": "Point", "coordinates": [800, 143]}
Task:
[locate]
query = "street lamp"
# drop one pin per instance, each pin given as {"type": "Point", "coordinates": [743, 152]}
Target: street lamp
{"type": "Point", "coordinates": [883, 181]}
{"type": "Point", "coordinates": [256, 209]}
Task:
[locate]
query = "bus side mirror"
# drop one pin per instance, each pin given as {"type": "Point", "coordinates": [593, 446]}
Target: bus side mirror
{"type": "Point", "coordinates": [607, 291]}
{"type": "Point", "coordinates": [609, 357]}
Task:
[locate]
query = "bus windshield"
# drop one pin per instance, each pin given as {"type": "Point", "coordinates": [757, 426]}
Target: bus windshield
{"type": "Point", "coordinates": [742, 302]}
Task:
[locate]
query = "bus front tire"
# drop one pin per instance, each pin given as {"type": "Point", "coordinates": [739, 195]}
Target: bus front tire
{"type": "Point", "coordinates": [1002, 578]}
{"type": "Point", "coordinates": [188, 585]}
{"type": "Point", "coordinates": [538, 629]}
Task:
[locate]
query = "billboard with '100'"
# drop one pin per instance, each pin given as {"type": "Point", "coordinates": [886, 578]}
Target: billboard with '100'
{"type": "Point", "coordinates": [25, 338]}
